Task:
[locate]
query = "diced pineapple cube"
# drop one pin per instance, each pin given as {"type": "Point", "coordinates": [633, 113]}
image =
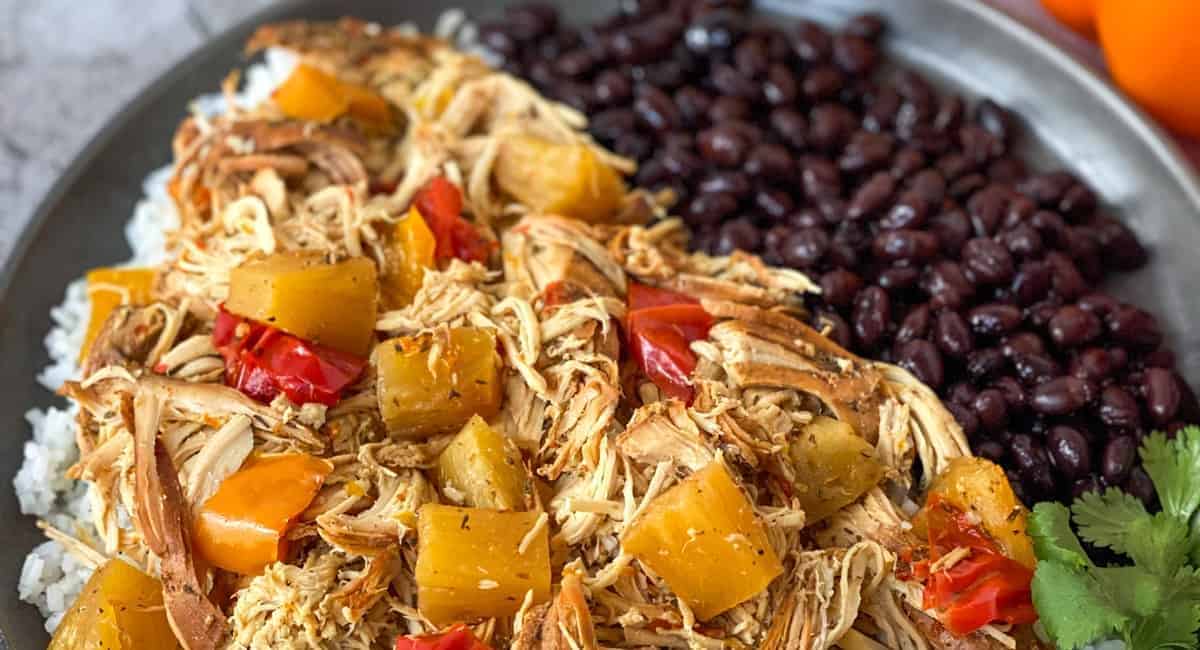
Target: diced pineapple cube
{"type": "Point", "coordinates": [484, 468]}
{"type": "Point", "coordinates": [107, 289]}
{"type": "Point", "coordinates": [419, 400]}
{"type": "Point", "coordinates": [564, 179]}
{"type": "Point", "coordinates": [703, 538]}
{"type": "Point", "coordinates": [979, 486]}
{"type": "Point", "coordinates": [302, 294]}
{"type": "Point", "coordinates": [120, 608]}
{"type": "Point", "coordinates": [470, 566]}
{"type": "Point", "coordinates": [411, 251]}
{"type": "Point", "coordinates": [834, 467]}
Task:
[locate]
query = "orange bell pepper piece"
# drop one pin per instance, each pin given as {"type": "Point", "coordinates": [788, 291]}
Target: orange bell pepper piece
{"type": "Point", "coordinates": [242, 528]}
{"type": "Point", "coordinates": [108, 288]}
{"type": "Point", "coordinates": [310, 93]}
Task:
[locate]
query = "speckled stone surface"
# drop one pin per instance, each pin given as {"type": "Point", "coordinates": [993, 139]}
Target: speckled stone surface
{"type": "Point", "coordinates": [66, 67]}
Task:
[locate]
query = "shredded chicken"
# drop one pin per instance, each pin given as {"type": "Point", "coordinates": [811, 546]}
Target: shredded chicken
{"type": "Point", "coordinates": [159, 430]}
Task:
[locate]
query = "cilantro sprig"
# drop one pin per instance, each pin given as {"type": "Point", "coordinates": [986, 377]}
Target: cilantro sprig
{"type": "Point", "coordinates": [1153, 604]}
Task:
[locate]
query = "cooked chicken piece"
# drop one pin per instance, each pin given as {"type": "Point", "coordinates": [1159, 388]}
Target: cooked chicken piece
{"type": "Point", "coordinates": [126, 339]}
{"type": "Point", "coordinates": [565, 623]}
{"type": "Point", "coordinates": [379, 528]}
{"type": "Point", "coordinates": [664, 431]}
{"type": "Point", "coordinates": [823, 603]}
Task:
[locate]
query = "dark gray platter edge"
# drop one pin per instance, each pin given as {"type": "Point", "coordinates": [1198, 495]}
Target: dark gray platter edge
{"type": "Point", "coordinates": [1139, 173]}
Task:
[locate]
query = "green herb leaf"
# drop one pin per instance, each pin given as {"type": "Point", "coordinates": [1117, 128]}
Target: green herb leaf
{"type": "Point", "coordinates": [1132, 590]}
{"type": "Point", "coordinates": [1073, 606]}
{"type": "Point", "coordinates": [1174, 467]}
{"type": "Point", "coordinates": [1053, 539]}
{"type": "Point", "coordinates": [1158, 544]}
{"type": "Point", "coordinates": [1108, 519]}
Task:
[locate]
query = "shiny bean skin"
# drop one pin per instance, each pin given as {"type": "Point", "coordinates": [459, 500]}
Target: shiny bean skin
{"type": "Point", "coordinates": [872, 313]}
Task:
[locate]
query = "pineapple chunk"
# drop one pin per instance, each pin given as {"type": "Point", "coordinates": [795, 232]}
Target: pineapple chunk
{"type": "Point", "coordinates": [107, 289]}
{"type": "Point", "coordinates": [834, 467]}
{"type": "Point", "coordinates": [302, 294]}
{"type": "Point", "coordinates": [469, 566]}
{"type": "Point", "coordinates": [419, 400]}
{"type": "Point", "coordinates": [703, 538]}
{"type": "Point", "coordinates": [412, 250]}
{"type": "Point", "coordinates": [120, 608]}
{"type": "Point", "coordinates": [979, 486]}
{"type": "Point", "coordinates": [484, 467]}
{"type": "Point", "coordinates": [564, 179]}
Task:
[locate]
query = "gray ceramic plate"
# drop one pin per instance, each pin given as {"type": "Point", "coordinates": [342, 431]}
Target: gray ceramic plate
{"type": "Point", "coordinates": [1072, 119]}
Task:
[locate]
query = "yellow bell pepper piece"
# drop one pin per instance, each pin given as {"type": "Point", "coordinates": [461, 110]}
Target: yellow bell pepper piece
{"type": "Point", "coordinates": [412, 252]}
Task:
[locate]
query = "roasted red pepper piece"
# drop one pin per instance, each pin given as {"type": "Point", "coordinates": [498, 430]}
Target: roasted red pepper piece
{"type": "Point", "coordinates": [262, 362]}
{"type": "Point", "coordinates": [984, 587]}
{"type": "Point", "coordinates": [440, 202]}
{"type": "Point", "coordinates": [455, 638]}
{"type": "Point", "coordinates": [660, 327]}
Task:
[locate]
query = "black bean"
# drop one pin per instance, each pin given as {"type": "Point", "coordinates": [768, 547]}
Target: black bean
{"type": "Point", "coordinates": [1022, 343]}
{"type": "Point", "coordinates": [923, 360]}
{"type": "Point", "coordinates": [866, 151]}
{"type": "Point", "coordinates": [830, 125]}
{"type": "Point", "coordinates": [994, 319]}
{"type": "Point", "coordinates": [807, 218]}
{"type": "Point", "coordinates": [1134, 326]}
{"type": "Point", "coordinates": [1067, 281]}
{"type": "Point", "coordinates": [579, 96]}
{"type": "Point", "coordinates": [714, 31]}
{"type": "Point", "coordinates": [991, 450]}
{"type": "Point", "coordinates": [987, 261]}
{"type": "Point", "coordinates": [1034, 368]}
{"type": "Point", "coordinates": [576, 63]}
{"type": "Point", "coordinates": [998, 121]}
{"type": "Point", "coordinates": [987, 209]}
{"type": "Point", "coordinates": [913, 245]}
{"type": "Point", "coordinates": [681, 161]}
{"type": "Point", "coordinates": [1093, 364]}
{"type": "Point", "coordinates": [727, 108]}
{"type": "Point", "coordinates": [1161, 392]}
{"type": "Point", "coordinates": [709, 208]}
{"type": "Point", "coordinates": [1060, 396]}
{"type": "Point", "coordinates": [952, 228]}
{"type": "Point", "coordinates": [871, 196]}
{"type": "Point", "coordinates": [770, 161]}
{"type": "Point", "coordinates": [1025, 451]}
{"type": "Point", "coordinates": [949, 114]}
{"type": "Point", "coordinates": [811, 42]}
{"type": "Point", "coordinates": [1139, 485]}
{"type": "Point", "coordinates": [1160, 358]}
{"type": "Point", "coordinates": [1013, 392]}
{"type": "Point", "coordinates": [1032, 282]}
{"type": "Point", "coordinates": [985, 363]}
{"type": "Point", "coordinates": [633, 145]}
{"type": "Point", "coordinates": [655, 110]}
{"type": "Point", "coordinates": [738, 234]}
{"type": "Point", "coordinates": [804, 248]}
{"type": "Point", "coordinates": [1077, 202]}
{"type": "Point", "coordinates": [854, 54]}
{"type": "Point", "coordinates": [1118, 459]}
{"type": "Point", "coordinates": [909, 211]}
{"type": "Point", "coordinates": [1072, 326]}
{"type": "Point", "coordinates": [1070, 452]}
{"type": "Point", "coordinates": [869, 26]}
{"type": "Point", "coordinates": [1085, 485]}
{"type": "Point", "coordinates": [967, 419]}
{"type": "Point", "coordinates": [961, 392]}
{"type": "Point", "coordinates": [1047, 188]}
{"type": "Point", "coordinates": [839, 286]}
{"type": "Point", "coordinates": [723, 145]}
{"type": "Point", "coordinates": [872, 314]}
{"type": "Point", "coordinates": [790, 125]}
{"type": "Point", "coordinates": [915, 324]}
{"type": "Point", "coordinates": [929, 185]}
{"type": "Point", "coordinates": [726, 79]}
{"type": "Point", "coordinates": [1118, 408]}
{"type": "Point", "coordinates": [776, 204]}
{"type": "Point", "coordinates": [820, 178]}
{"type": "Point", "coordinates": [952, 335]}
{"type": "Point", "coordinates": [966, 185]}
{"type": "Point", "coordinates": [779, 88]}
{"type": "Point", "coordinates": [736, 184]}
{"type": "Point", "coordinates": [531, 20]}
{"type": "Point", "coordinates": [991, 408]}
{"type": "Point", "coordinates": [907, 161]}
{"type": "Point", "coordinates": [751, 57]}
{"type": "Point", "coordinates": [978, 145]}
{"type": "Point", "coordinates": [1121, 248]}
{"type": "Point", "coordinates": [898, 278]}
{"type": "Point", "coordinates": [822, 82]}
{"type": "Point", "coordinates": [946, 284]}
{"type": "Point", "coordinates": [1022, 240]}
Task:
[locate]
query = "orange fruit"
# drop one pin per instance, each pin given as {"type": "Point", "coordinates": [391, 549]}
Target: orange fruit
{"type": "Point", "coordinates": [1153, 52]}
{"type": "Point", "coordinates": [1079, 15]}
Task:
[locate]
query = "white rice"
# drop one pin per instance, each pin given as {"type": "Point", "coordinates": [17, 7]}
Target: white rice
{"type": "Point", "coordinates": [51, 578]}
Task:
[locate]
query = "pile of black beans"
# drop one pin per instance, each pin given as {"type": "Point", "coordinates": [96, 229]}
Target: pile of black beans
{"type": "Point", "coordinates": [936, 248]}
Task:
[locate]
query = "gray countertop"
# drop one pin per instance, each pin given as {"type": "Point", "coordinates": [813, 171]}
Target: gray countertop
{"type": "Point", "coordinates": [66, 67]}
